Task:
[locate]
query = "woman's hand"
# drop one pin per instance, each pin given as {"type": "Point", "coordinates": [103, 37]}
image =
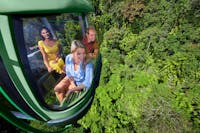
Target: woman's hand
{"type": "Point", "coordinates": [72, 86]}
{"type": "Point", "coordinates": [71, 79]}
{"type": "Point", "coordinates": [50, 69]}
{"type": "Point", "coordinates": [54, 62]}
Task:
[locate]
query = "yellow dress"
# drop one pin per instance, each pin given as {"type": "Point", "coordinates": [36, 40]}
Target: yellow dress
{"type": "Point", "coordinates": [51, 52]}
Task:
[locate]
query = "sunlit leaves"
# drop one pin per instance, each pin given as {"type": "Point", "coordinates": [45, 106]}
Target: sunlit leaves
{"type": "Point", "coordinates": [151, 75]}
{"type": "Point", "coordinates": [129, 42]}
{"type": "Point", "coordinates": [112, 38]}
{"type": "Point", "coordinates": [133, 9]}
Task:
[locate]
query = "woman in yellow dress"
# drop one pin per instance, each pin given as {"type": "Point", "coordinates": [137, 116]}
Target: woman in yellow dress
{"type": "Point", "coordinates": [50, 49]}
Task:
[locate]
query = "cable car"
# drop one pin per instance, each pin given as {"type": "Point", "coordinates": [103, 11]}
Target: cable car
{"type": "Point", "coordinates": [24, 80]}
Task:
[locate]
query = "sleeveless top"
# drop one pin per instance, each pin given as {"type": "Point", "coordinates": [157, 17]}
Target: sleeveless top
{"type": "Point", "coordinates": [51, 51]}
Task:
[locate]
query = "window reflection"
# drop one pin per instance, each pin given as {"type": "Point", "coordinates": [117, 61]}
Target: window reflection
{"type": "Point", "coordinates": [64, 28]}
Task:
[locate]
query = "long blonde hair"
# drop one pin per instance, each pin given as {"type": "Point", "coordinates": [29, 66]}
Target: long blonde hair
{"type": "Point", "coordinates": [76, 44]}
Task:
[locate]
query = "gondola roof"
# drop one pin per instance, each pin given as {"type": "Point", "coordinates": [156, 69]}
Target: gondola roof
{"type": "Point", "coordinates": [44, 6]}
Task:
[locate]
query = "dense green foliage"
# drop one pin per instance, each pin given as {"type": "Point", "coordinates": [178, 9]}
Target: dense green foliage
{"type": "Point", "coordinates": [150, 80]}
{"type": "Point", "coordinates": [151, 67]}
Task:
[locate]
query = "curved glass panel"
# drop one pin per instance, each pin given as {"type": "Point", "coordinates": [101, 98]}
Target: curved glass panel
{"type": "Point", "coordinates": [63, 28]}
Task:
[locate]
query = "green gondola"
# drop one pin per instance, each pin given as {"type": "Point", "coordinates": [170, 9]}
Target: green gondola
{"type": "Point", "coordinates": [25, 85]}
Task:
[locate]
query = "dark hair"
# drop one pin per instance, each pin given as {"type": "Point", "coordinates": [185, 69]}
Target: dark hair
{"type": "Point", "coordinates": [50, 35]}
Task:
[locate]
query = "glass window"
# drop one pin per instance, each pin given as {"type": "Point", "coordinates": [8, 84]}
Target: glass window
{"type": "Point", "coordinates": [62, 29]}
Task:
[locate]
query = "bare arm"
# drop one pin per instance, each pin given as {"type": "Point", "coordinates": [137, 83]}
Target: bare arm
{"type": "Point", "coordinates": [73, 88]}
{"type": "Point", "coordinates": [93, 55]}
{"type": "Point", "coordinates": [77, 88]}
{"type": "Point", "coordinates": [88, 78]}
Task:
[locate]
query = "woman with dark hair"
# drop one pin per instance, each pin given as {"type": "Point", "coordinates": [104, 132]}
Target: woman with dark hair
{"type": "Point", "coordinates": [50, 49]}
{"type": "Point", "coordinates": [78, 75]}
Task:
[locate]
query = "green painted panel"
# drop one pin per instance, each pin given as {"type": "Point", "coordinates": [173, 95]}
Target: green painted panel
{"type": "Point", "coordinates": [7, 115]}
{"type": "Point", "coordinates": [44, 6]}
{"type": "Point", "coordinates": [14, 69]}
{"type": "Point", "coordinates": [7, 36]}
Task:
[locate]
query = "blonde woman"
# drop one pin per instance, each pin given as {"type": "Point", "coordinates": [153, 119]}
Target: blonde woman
{"type": "Point", "coordinates": [78, 75]}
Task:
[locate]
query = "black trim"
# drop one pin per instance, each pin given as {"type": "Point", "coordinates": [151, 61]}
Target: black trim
{"type": "Point", "coordinates": [22, 53]}
{"type": "Point", "coordinates": [8, 86]}
{"type": "Point", "coordinates": [98, 72]}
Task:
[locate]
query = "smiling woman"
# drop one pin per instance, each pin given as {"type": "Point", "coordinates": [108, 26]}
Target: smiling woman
{"type": "Point", "coordinates": [78, 74]}
{"type": "Point", "coordinates": [34, 65]}
{"type": "Point", "coordinates": [50, 49]}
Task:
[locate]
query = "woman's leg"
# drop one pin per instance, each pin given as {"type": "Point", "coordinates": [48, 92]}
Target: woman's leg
{"type": "Point", "coordinates": [60, 96]}
{"type": "Point", "coordinates": [60, 89]}
{"type": "Point", "coordinates": [71, 86]}
{"type": "Point", "coordinates": [69, 91]}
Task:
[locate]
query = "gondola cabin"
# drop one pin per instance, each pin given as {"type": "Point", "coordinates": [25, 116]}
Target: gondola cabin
{"type": "Point", "coordinates": [24, 79]}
